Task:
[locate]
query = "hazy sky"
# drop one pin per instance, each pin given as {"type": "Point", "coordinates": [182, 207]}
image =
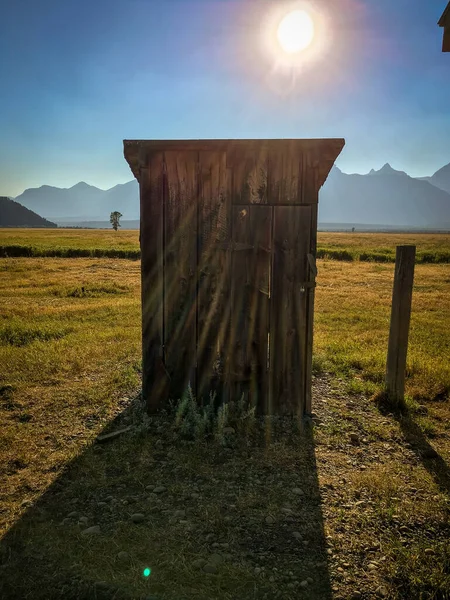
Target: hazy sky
{"type": "Point", "coordinates": [77, 77]}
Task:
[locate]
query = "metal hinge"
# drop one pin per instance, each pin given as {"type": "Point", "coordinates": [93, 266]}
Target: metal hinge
{"type": "Point", "coordinates": [312, 264]}
{"type": "Point", "coordinates": [307, 285]}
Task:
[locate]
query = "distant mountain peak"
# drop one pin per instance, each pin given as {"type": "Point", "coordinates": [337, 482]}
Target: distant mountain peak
{"type": "Point", "coordinates": [81, 185]}
{"type": "Point", "coordinates": [388, 170]}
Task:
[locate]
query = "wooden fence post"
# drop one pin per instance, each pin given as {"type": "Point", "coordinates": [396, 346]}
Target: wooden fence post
{"type": "Point", "coordinates": [399, 329]}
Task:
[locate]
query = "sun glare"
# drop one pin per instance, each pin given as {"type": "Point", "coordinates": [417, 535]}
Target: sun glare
{"type": "Point", "coordinates": [295, 31]}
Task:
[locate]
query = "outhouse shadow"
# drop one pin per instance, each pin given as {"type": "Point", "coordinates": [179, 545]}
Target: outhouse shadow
{"type": "Point", "coordinates": [255, 505]}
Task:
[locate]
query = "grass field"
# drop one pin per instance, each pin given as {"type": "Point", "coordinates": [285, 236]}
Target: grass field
{"type": "Point", "coordinates": [352, 326]}
{"type": "Point", "coordinates": [374, 514]}
{"type": "Point", "coordinates": [368, 247]}
{"type": "Point", "coordinates": [70, 243]}
{"type": "Point", "coordinates": [71, 238]}
{"type": "Point", "coordinates": [380, 247]}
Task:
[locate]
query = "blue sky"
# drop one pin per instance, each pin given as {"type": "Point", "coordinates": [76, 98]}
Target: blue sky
{"type": "Point", "coordinates": [76, 78]}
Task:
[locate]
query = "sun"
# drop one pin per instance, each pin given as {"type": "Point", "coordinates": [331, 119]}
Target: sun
{"type": "Point", "coordinates": [295, 31]}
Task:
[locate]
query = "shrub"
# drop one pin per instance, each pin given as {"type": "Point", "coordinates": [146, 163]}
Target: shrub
{"type": "Point", "coordinates": [195, 422]}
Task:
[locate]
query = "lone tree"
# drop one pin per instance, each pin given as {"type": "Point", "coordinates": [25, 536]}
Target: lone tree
{"type": "Point", "coordinates": [114, 219]}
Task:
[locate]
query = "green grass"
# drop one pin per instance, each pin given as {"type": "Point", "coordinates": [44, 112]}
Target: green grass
{"type": "Point", "coordinates": [380, 247]}
{"type": "Point", "coordinates": [352, 316]}
{"type": "Point", "coordinates": [100, 243]}
{"type": "Point", "coordinates": [68, 243]}
{"type": "Point", "coordinates": [16, 333]}
{"type": "Point", "coordinates": [14, 251]}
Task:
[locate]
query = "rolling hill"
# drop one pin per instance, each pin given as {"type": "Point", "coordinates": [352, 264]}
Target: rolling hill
{"type": "Point", "coordinates": [440, 179]}
{"type": "Point", "coordinates": [13, 214]}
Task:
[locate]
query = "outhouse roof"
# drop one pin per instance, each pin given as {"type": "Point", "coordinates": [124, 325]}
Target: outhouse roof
{"type": "Point", "coordinates": [322, 152]}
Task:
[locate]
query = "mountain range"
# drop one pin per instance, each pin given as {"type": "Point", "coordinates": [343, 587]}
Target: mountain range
{"type": "Point", "coordinates": [385, 197]}
{"type": "Point", "coordinates": [388, 197]}
{"type": "Point", "coordinates": [82, 202]}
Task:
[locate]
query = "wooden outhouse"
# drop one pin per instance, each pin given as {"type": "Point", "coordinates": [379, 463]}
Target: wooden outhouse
{"type": "Point", "coordinates": [228, 243]}
{"type": "Point", "coordinates": [445, 23]}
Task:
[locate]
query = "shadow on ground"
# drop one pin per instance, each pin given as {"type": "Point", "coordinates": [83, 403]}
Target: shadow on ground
{"type": "Point", "coordinates": [240, 521]}
{"type": "Point", "coordinates": [417, 441]}
{"type": "Point", "coordinates": [431, 460]}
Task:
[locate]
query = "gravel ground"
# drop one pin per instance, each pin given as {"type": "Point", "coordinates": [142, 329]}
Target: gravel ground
{"type": "Point", "coordinates": [315, 515]}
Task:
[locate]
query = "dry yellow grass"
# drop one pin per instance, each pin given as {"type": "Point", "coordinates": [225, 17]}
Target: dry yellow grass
{"type": "Point", "coordinates": [64, 361]}
{"type": "Point", "coordinates": [70, 350]}
{"type": "Point", "coordinates": [71, 238]}
{"type": "Point", "coordinates": [66, 354]}
{"type": "Point", "coordinates": [353, 304]}
{"type": "Point", "coordinates": [425, 242]}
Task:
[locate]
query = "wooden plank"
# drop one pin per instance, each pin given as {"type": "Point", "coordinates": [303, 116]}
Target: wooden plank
{"type": "Point", "coordinates": [261, 225]}
{"type": "Point", "coordinates": [399, 329]}
{"type": "Point", "coordinates": [240, 326]}
{"type": "Point", "coordinates": [180, 269]}
{"type": "Point", "coordinates": [213, 286]}
{"type": "Point", "coordinates": [249, 173]}
{"type": "Point", "coordinates": [154, 378]}
{"type": "Point", "coordinates": [250, 296]}
{"type": "Point", "coordinates": [310, 310]}
{"type": "Point", "coordinates": [224, 330]}
{"type": "Point", "coordinates": [288, 309]}
{"type": "Point", "coordinates": [285, 174]}
{"type": "Point", "coordinates": [311, 182]}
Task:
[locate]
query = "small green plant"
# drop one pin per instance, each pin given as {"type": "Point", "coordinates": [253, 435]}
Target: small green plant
{"type": "Point", "coordinates": [90, 291]}
{"type": "Point", "coordinates": [189, 421]}
{"type": "Point", "coordinates": [18, 334]}
{"type": "Point", "coordinates": [6, 397]}
{"type": "Point", "coordinates": [195, 422]}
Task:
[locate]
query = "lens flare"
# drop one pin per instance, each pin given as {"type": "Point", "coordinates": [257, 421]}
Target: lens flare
{"type": "Point", "coordinates": [295, 31]}
{"type": "Point", "coordinates": [147, 572]}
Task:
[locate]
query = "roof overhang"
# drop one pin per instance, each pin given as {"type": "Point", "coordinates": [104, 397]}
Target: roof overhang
{"type": "Point", "coordinates": [444, 22]}
{"type": "Point", "coordinates": [322, 153]}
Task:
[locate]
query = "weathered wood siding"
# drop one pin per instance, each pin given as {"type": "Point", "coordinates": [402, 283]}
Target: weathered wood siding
{"type": "Point", "coordinates": [154, 380]}
{"type": "Point", "coordinates": [213, 278]}
{"type": "Point", "coordinates": [180, 268]}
